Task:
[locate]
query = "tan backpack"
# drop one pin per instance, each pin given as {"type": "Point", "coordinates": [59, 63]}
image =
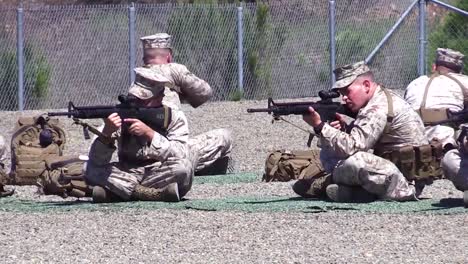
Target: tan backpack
{"type": "Point", "coordinates": [34, 140]}
{"type": "Point", "coordinates": [283, 165]}
{"type": "Point", "coordinates": [64, 176]}
{"type": "Point", "coordinates": [37, 158]}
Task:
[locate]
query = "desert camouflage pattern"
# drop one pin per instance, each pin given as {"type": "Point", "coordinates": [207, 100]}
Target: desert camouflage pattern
{"type": "Point", "coordinates": [165, 160]}
{"type": "Point", "coordinates": [210, 146]}
{"type": "Point", "coordinates": [157, 41]}
{"type": "Point", "coordinates": [2, 148]}
{"type": "Point", "coordinates": [147, 83]}
{"type": "Point", "coordinates": [455, 167]}
{"type": "Point", "coordinates": [346, 75]}
{"type": "Point", "coordinates": [443, 93]}
{"type": "Point", "coordinates": [455, 162]}
{"type": "Point", "coordinates": [184, 85]}
{"type": "Point", "coordinates": [449, 56]}
{"type": "Point", "coordinates": [347, 156]}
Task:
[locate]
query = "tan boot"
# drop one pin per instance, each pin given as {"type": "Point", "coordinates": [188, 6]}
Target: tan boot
{"type": "Point", "coordinates": [313, 187]}
{"type": "Point", "coordinates": [101, 195]}
{"type": "Point", "coordinates": [170, 193]}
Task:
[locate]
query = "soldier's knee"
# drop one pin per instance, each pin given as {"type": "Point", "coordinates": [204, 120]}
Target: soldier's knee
{"type": "Point", "coordinates": [184, 171]}
{"type": "Point", "coordinates": [225, 137]}
{"type": "Point", "coordinates": [451, 163]}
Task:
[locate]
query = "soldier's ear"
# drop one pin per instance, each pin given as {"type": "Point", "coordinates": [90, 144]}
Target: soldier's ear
{"type": "Point", "coordinates": [169, 57]}
{"type": "Point", "coordinates": [367, 85]}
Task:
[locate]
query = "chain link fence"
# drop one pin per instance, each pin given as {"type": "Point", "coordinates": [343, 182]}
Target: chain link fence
{"type": "Point", "coordinates": [447, 29]}
{"type": "Point", "coordinates": [83, 53]}
{"type": "Point", "coordinates": [361, 25]}
{"type": "Point", "coordinates": [8, 63]}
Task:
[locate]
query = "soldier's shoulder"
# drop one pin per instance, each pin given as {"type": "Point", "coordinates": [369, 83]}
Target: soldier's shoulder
{"type": "Point", "coordinates": [177, 66]}
{"type": "Point", "coordinates": [460, 76]}
{"type": "Point", "coordinates": [418, 82]}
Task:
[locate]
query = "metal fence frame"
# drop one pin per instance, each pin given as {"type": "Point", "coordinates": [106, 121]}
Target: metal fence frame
{"type": "Point", "coordinates": [132, 13]}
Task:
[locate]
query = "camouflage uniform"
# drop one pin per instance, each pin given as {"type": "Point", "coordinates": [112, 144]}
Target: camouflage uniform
{"type": "Point", "coordinates": [346, 155]}
{"type": "Point", "coordinates": [455, 167]}
{"type": "Point", "coordinates": [165, 160]}
{"type": "Point", "coordinates": [209, 146]}
{"type": "Point", "coordinates": [443, 93]}
{"type": "Point", "coordinates": [2, 148]}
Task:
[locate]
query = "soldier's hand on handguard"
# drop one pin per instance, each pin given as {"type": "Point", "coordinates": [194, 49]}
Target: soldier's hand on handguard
{"type": "Point", "coordinates": [313, 118]}
{"type": "Point", "coordinates": [139, 128]}
{"type": "Point", "coordinates": [112, 123]}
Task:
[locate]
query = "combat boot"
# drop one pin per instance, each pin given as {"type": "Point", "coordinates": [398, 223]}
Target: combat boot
{"type": "Point", "coordinates": [313, 187]}
{"type": "Point", "coordinates": [101, 195]}
{"type": "Point", "coordinates": [170, 193]}
{"type": "Point", "coordinates": [349, 194]}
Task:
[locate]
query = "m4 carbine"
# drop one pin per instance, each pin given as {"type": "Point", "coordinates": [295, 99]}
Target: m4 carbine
{"type": "Point", "coordinates": [157, 118]}
{"type": "Point", "coordinates": [325, 107]}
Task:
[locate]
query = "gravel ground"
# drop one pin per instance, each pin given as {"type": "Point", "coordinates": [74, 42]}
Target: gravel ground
{"type": "Point", "coordinates": [190, 236]}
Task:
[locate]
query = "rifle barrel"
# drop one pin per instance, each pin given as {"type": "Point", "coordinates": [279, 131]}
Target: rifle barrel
{"type": "Point", "coordinates": [257, 110]}
{"type": "Point", "coordinates": [59, 113]}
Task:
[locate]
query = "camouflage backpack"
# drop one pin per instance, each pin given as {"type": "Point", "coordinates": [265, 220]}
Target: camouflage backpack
{"type": "Point", "coordinates": [64, 176]}
{"type": "Point", "coordinates": [34, 140]}
{"type": "Point", "coordinates": [290, 165]}
{"type": "Point", "coordinates": [37, 158]}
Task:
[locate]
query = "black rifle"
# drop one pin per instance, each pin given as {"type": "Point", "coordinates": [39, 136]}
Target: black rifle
{"type": "Point", "coordinates": [325, 107]}
{"type": "Point", "coordinates": [157, 118]}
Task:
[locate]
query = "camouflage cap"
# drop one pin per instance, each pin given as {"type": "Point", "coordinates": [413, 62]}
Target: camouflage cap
{"type": "Point", "coordinates": [159, 40]}
{"type": "Point", "coordinates": [449, 56]}
{"type": "Point", "coordinates": [346, 75]}
{"type": "Point", "coordinates": [147, 83]}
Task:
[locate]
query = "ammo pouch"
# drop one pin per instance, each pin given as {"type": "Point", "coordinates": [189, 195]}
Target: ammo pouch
{"type": "Point", "coordinates": [433, 116]}
{"type": "Point", "coordinates": [283, 165]}
{"type": "Point", "coordinates": [417, 163]}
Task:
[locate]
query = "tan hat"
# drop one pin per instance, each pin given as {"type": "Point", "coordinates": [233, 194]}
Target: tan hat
{"type": "Point", "coordinates": [159, 40]}
{"type": "Point", "coordinates": [147, 83]}
{"type": "Point", "coordinates": [449, 56]}
{"type": "Point", "coordinates": [346, 75]}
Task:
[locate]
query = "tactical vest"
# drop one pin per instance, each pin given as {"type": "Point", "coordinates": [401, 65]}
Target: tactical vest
{"type": "Point", "coordinates": [431, 116]}
{"type": "Point", "coordinates": [414, 162]}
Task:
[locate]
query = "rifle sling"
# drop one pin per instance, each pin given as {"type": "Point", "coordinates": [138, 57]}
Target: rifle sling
{"type": "Point", "coordinates": [390, 113]}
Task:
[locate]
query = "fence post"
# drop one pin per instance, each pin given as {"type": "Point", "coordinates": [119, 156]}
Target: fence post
{"type": "Point", "coordinates": [131, 41]}
{"type": "Point", "coordinates": [422, 38]}
{"type": "Point", "coordinates": [331, 26]}
{"type": "Point", "coordinates": [20, 54]}
{"type": "Point", "coordinates": [240, 50]}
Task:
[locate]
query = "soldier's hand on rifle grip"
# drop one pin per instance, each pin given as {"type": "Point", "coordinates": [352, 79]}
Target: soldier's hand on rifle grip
{"type": "Point", "coordinates": [313, 118]}
{"type": "Point", "coordinates": [111, 124]}
{"type": "Point", "coordinates": [139, 128]}
{"type": "Point", "coordinates": [339, 123]}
